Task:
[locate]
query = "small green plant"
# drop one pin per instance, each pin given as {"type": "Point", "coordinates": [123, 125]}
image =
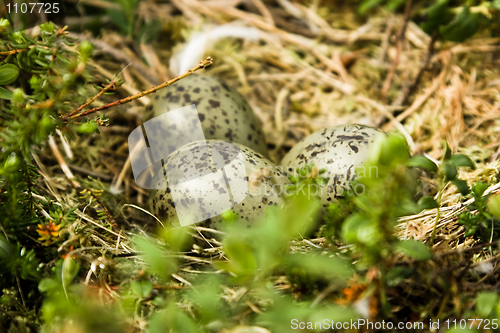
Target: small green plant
{"type": "Point", "coordinates": [270, 276]}
{"type": "Point", "coordinates": [274, 275]}
{"type": "Point", "coordinates": [127, 20]}
{"type": "Point", "coordinates": [446, 173]}
{"type": "Point", "coordinates": [454, 21]}
{"type": "Point", "coordinates": [477, 219]}
{"type": "Point", "coordinates": [41, 80]}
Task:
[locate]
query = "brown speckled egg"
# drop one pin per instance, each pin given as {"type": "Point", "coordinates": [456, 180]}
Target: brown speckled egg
{"type": "Point", "coordinates": [207, 178]}
{"type": "Point", "coordinates": [223, 112]}
{"type": "Point", "coordinates": [339, 149]}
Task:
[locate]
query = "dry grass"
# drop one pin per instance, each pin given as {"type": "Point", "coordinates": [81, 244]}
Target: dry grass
{"type": "Point", "coordinates": [314, 66]}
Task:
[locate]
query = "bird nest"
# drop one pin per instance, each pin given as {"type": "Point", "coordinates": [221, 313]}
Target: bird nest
{"type": "Point", "coordinates": [301, 68]}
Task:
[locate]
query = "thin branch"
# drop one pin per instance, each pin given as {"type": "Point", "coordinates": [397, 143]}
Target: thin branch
{"type": "Point", "coordinates": [20, 290]}
{"type": "Point", "coordinates": [90, 101]}
{"type": "Point", "coordinates": [420, 100]}
{"type": "Point", "coordinates": [399, 48]}
{"type": "Point", "coordinates": [203, 64]}
{"type": "Point", "coordinates": [7, 53]}
{"type": "Point", "coordinates": [408, 90]}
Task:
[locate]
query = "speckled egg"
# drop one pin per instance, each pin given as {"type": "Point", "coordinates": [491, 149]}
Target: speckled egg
{"type": "Point", "coordinates": [222, 111]}
{"type": "Point", "coordinates": [340, 150]}
{"type": "Point", "coordinates": [207, 178]}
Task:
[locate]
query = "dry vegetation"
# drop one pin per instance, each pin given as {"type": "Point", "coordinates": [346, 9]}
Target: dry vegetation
{"type": "Point", "coordinates": [314, 64]}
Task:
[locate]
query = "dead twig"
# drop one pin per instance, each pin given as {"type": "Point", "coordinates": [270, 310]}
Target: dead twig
{"type": "Point", "coordinates": [399, 48]}
{"type": "Point", "coordinates": [203, 64]}
{"type": "Point", "coordinates": [419, 101]}
{"type": "Point", "coordinates": [408, 90]}
{"type": "Point", "coordinates": [90, 101]}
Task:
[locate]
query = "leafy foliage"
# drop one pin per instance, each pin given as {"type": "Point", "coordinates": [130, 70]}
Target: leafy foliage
{"type": "Point", "coordinates": [41, 80]}
{"type": "Point", "coordinates": [265, 276]}
{"type": "Point", "coordinates": [453, 21]}
{"type": "Point", "coordinates": [127, 21]}
{"type": "Point", "coordinates": [478, 219]}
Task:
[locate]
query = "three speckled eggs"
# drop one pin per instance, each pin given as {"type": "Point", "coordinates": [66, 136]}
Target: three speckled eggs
{"type": "Point", "coordinates": [229, 170]}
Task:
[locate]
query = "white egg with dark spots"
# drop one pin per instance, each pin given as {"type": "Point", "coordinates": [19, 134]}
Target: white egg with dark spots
{"type": "Point", "coordinates": [222, 111]}
{"type": "Point", "coordinates": [206, 178]}
{"type": "Point", "coordinates": [340, 150]}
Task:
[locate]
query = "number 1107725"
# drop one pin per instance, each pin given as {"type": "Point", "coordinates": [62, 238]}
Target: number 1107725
{"type": "Point", "coordinates": [33, 7]}
{"type": "Point", "coordinates": [472, 323]}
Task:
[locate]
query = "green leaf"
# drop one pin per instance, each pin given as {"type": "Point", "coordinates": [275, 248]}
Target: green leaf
{"type": "Point", "coordinates": [461, 185]}
{"type": "Point", "coordinates": [397, 274]}
{"type": "Point", "coordinates": [422, 162]}
{"type": "Point", "coordinates": [87, 128]}
{"type": "Point", "coordinates": [427, 202]}
{"type": "Point", "coordinates": [47, 285]}
{"type": "Point", "coordinates": [177, 238]}
{"type": "Point", "coordinates": [321, 266]}
{"type": "Point", "coordinates": [284, 308]}
{"type": "Point", "coordinates": [229, 216]}
{"type": "Point", "coordinates": [242, 260]}
{"type": "Point", "coordinates": [172, 320]}
{"type": "Point", "coordinates": [436, 15]}
{"type": "Point", "coordinates": [414, 249]}
{"type": "Point", "coordinates": [485, 303]}
{"type": "Point", "coordinates": [496, 4]}
{"type": "Point", "coordinates": [5, 248]}
{"type": "Point", "coordinates": [493, 205]}
{"type": "Point", "coordinates": [18, 95]}
{"type": "Point", "coordinates": [367, 5]}
{"type": "Point", "coordinates": [447, 150]}
{"type": "Point", "coordinates": [148, 32]}
{"type": "Point", "coordinates": [141, 288]}
{"type": "Point", "coordinates": [479, 189]}
{"type": "Point", "coordinates": [86, 49]}
{"type": "Point", "coordinates": [8, 74]}
{"type": "Point", "coordinates": [359, 229]}
{"type": "Point", "coordinates": [394, 4]}
{"type": "Point", "coordinates": [11, 164]}
{"type": "Point", "coordinates": [364, 203]}
{"type": "Point", "coordinates": [449, 170]}
{"type": "Point", "coordinates": [154, 256]}
{"type": "Point", "coordinates": [459, 160]}
{"type": "Point", "coordinates": [5, 94]}
{"type": "Point", "coordinates": [4, 24]}
{"type": "Point", "coordinates": [206, 299]}
{"type": "Point", "coordinates": [119, 19]}
{"type": "Point", "coordinates": [464, 26]}
{"type": "Point", "coordinates": [69, 270]}
{"type": "Point", "coordinates": [304, 210]}
{"type": "Point", "coordinates": [335, 314]}
{"type": "Point", "coordinates": [390, 150]}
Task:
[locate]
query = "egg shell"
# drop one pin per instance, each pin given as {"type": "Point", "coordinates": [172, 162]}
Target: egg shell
{"type": "Point", "coordinates": [340, 150]}
{"type": "Point", "coordinates": [222, 111]}
{"type": "Point", "coordinates": [194, 178]}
